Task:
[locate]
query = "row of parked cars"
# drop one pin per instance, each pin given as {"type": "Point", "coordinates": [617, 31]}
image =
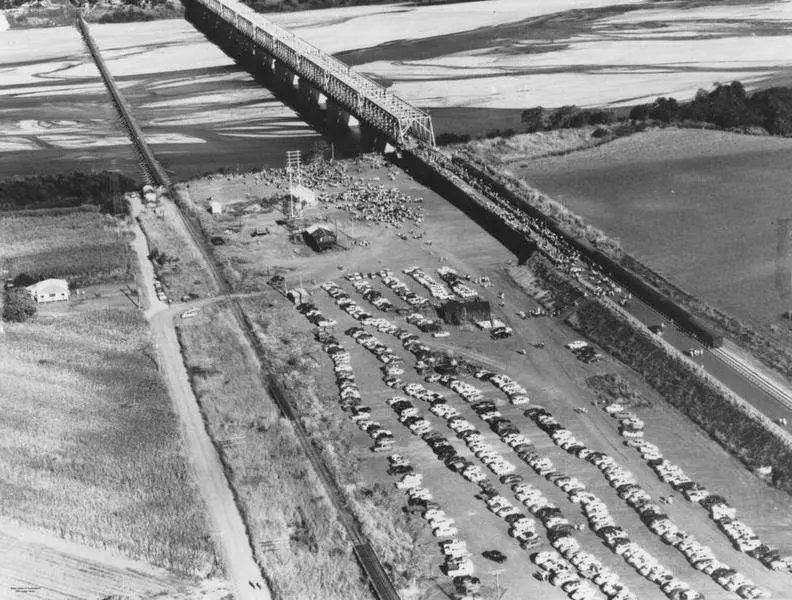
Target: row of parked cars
{"type": "Point", "coordinates": [584, 351]}
{"type": "Point", "coordinates": [516, 394]}
{"type": "Point", "coordinates": [424, 323]}
{"type": "Point", "coordinates": [350, 398]}
{"type": "Point", "coordinates": [365, 289]}
{"type": "Point", "coordinates": [700, 557]}
{"type": "Point", "coordinates": [458, 564]}
{"type": "Point", "coordinates": [457, 285]}
{"type": "Point", "coordinates": [401, 290]}
{"type": "Point", "coordinates": [521, 527]}
{"type": "Point", "coordinates": [438, 290]}
{"type": "Point", "coordinates": [559, 529]}
{"type": "Point", "coordinates": [556, 570]}
{"type": "Point", "coordinates": [742, 537]}
{"type": "Point", "coordinates": [314, 315]}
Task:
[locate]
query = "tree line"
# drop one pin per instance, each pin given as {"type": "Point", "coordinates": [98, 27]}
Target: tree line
{"type": "Point", "coordinates": [65, 190]}
{"type": "Point", "coordinates": [726, 106]}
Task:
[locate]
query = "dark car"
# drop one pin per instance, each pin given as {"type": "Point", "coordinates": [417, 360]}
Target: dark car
{"type": "Point", "coordinates": [217, 240]}
{"type": "Point", "coordinates": [400, 470]}
{"type": "Point", "coordinates": [445, 453]}
{"type": "Point", "coordinates": [494, 555]}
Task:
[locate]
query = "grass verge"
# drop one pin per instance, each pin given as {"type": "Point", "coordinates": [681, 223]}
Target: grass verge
{"type": "Point", "coordinates": [175, 265]}
{"type": "Point", "coordinates": [297, 538]}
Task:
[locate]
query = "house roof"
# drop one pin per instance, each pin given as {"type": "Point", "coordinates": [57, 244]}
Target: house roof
{"type": "Point", "coordinates": [48, 284]}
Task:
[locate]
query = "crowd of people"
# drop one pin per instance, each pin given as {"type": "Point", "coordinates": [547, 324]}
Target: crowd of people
{"type": "Point", "coordinates": [375, 203]}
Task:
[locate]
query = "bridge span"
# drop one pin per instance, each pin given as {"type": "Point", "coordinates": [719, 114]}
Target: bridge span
{"type": "Point", "coordinates": [348, 96]}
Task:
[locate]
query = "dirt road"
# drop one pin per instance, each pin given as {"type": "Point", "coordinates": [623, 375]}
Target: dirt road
{"type": "Point", "coordinates": [35, 565]}
{"type": "Point", "coordinates": [229, 531]}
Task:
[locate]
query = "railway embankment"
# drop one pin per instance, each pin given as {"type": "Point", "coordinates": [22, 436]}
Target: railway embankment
{"type": "Point", "coordinates": [731, 421]}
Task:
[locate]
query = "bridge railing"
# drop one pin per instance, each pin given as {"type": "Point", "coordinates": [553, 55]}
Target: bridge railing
{"type": "Point", "coordinates": [362, 96]}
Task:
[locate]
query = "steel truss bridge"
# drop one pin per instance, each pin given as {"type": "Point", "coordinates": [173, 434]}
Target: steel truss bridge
{"type": "Point", "coordinates": [365, 99]}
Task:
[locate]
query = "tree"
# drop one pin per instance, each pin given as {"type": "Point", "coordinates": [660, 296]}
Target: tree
{"type": "Point", "coordinates": [19, 307]}
{"type": "Point", "coordinates": [639, 112]}
{"type": "Point", "coordinates": [665, 110]}
{"type": "Point", "coordinates": [535, 119]}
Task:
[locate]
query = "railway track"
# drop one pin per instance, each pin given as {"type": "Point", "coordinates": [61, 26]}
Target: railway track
{"type": "Point", "coordinates": [379, 581]}
{"type": "Point", "coordinates": [764, 383]}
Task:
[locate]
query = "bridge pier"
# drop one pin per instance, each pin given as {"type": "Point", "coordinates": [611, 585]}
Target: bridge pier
{"type": "Point", "coordinates": [312, 96]}
{"type": "Point", "coordinates": [372, 140]}
{"type": "Point", "coordinates": [337, 117]}
{"type": "Point", "coordinates": [286, 75]}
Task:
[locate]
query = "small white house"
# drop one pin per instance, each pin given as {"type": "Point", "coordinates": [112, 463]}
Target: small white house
{"type": "Point", "coordinates": [49, 290]}
{"type": "Point", "coordinates": [215, 207]}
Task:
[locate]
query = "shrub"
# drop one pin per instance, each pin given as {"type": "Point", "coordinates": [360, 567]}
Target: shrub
{"type": "Point", "coordinates": [19, 307]}
{"type": "Point", "coordinates": [535, 119]}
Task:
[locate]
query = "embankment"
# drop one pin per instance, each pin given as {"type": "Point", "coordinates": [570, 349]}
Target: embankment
{"type": "Point", "coordinates": [727, 418]}
{"type": "Point", "coordinates": [435, 171]}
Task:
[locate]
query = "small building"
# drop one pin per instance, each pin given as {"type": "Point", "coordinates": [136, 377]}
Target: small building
{"type": "Point", "coordinates": [49, 290]}
{"type": "Point", "coordinates": [215, 207]}
{"type": "Point", "coordinates": [303, 196]}
{"type": "Point", "coordinates": [319, 238]}
{"type": "Point", "coordinates": [298, 296]}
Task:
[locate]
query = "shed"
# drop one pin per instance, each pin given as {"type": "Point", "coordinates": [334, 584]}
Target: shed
{"type": "Point", "coordinates": [457, 313]}
{"type": "Point", "coordinates": [49, 290]}
{"type": "Point", "coordinates": [319, 238]}
{"type": "Point", "coordinates": [215, 207]}
{"type": "Point", "coordinates": [297, 295]}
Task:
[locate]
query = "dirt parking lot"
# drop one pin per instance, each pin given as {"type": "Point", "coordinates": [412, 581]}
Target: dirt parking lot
{"type": "Point", "coordinates": [552, 376]}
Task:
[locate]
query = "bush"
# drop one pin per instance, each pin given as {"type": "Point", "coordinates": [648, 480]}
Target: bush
{"type": "Point", "coordinates": [19, 307]}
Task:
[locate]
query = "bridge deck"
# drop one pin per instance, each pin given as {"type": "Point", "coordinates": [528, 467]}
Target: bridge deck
{"type": "Point", "coordinates": [362, 97]}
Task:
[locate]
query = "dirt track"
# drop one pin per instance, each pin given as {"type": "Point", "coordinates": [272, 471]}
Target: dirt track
{"type": "Point", "coordinates": [40, 566]}
{"type": "Point", "coordinates": [228, 528]}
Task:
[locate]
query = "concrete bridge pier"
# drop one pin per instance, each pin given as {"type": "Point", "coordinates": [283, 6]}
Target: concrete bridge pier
{"type": "Point", "coordinates": [286, 75]}
{"type": "Point", "coordinates": [311, 96]}
{"type": "Point", "coordinates": [338, 118]}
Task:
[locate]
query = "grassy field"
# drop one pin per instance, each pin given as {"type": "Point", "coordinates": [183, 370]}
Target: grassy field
{"type": "Point", "coordinates": [506, 150]}
{"type": "Point", "coordinates": [298, 541]}
{"type": "Point", "coordinates": [89, 448]}
{"type": "Point", "coordinates": [84, 247]}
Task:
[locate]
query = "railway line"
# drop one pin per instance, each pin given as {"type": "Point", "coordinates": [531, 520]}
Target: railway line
{"type": "Point", "coordinates": [773, 389]}
{"type": "Point", "coordinates": [378, 579]}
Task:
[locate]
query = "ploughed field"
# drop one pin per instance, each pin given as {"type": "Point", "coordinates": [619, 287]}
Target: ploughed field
{"type": "Point", "coordinates": [475, 66]}
{"type": "Point", "coordinates": [551, 376]}
{"type": "Point", "coordinates": [709, 210]}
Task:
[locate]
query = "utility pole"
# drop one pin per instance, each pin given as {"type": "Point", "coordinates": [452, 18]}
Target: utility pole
{"type": "Point", "coordinates": [294, 173]}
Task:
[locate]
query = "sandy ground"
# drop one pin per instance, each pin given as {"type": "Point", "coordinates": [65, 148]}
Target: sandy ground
{"type": "Point", "coordinates": [39, 566]}
{"type": "Point", "coordinates": [553, 377]}
{"type": "Point", "coordinates": [678, 200]}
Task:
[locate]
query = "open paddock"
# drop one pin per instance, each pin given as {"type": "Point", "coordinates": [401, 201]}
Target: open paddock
{"type": "Point", "coordinates": [85, 247]}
